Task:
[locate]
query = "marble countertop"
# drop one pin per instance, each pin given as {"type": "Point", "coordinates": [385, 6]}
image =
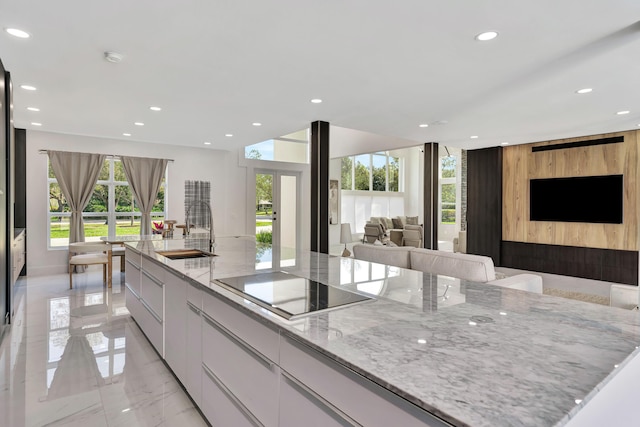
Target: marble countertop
{"type": "Point", "coordinates": [472, 354]}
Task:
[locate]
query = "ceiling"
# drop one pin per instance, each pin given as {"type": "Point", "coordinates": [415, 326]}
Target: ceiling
{"type": "Point", "coordinates": [216, 67]}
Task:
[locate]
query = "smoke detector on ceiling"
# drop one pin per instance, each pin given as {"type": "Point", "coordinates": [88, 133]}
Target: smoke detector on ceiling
{"type": "Point", "coordinates": [114, 57]}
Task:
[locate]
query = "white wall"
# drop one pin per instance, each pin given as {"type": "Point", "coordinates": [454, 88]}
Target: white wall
{"type": "Point", "coordinates": [349, 142]}
{"type": "Point", "coordinates": [335, 173]}
{"type": "Point", "coordinates": [221, 168]}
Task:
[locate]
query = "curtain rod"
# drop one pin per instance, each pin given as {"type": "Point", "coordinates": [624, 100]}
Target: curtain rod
{"type": "Point", "coordinates": [115, 156]}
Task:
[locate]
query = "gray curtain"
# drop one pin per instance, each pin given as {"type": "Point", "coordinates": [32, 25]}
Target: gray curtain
{"type": "Point", "coordinates": [77, 174]}
{"type": "Point", "coordinates": [145, 177]}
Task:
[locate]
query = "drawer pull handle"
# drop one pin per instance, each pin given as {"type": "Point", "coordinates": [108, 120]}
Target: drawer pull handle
{"type": "Point", "coordinates": [236, 402]}
{"type": "Point", "coordinates": [323, 404]}
{"type": "Point", "coordinates": [153, 313]}
{"type": "Point", "coordinates": [135, 294]}
{"type": "Point", "coordinates": [248, 348]}
{"type": "Point", "coordinates": [194, 308]}
{"type": "Point", "coordinates": [153, 279]}
{"type": "Point", "coordinates": [133, 264]}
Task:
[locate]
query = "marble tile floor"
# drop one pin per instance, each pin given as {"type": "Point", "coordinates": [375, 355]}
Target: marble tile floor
{"type": "Point", "coordinates": [76, 358]}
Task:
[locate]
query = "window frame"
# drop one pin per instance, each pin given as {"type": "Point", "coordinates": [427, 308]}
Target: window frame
{"type": "Point", "coordinates": [387, 172]}
{"type": "Point", "coordinates": [111, 213]}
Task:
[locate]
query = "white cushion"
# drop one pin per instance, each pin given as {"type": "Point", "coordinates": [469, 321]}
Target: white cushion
{"type": "Point", "coordinates": [398, 257]}
{"type": "Point", "coordinates": [476, 268]}
{"type": "Point", "coordinates": [89, 259]}
{"type": "Point", "coordinates": [524, 282]}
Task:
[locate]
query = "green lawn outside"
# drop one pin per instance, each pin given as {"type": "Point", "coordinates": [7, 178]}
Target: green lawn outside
{"type": "Point", "coordinates": [263, 223]}
{"type": "Point", "coordinates": [61, 230]}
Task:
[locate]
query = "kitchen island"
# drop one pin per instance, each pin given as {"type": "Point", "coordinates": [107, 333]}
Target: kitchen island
{"type": "Point", "coordinates": [427, 350]}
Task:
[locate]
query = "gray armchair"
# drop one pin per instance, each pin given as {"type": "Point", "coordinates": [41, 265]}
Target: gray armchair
{"type": "Point", "coordinates": [412, 235]}
{"type": "Point", "coordinates": [373, 232]}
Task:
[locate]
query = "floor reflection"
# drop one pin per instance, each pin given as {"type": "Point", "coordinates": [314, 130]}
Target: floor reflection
{"type": "Point", "coordinates": [76, 357]}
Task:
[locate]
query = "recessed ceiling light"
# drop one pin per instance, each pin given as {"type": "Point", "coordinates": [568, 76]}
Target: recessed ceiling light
{"type": "Point", "coordinates": [139, 124]}
{"type": "Point", "coordinates": [33, 109]}
{"type": "Point", "coordinates": [18, 33]}
{"type": "Point", "coordinates": [504, 143]}
{"type": "Point", "coordinates": [114, 57]}
{"type": "Point", "coordinates": [620, 113]}
{"type": "Point", "coordinates": [316, 101]}
{"type": "Point", "coordinates": [422, 341]}
{"type": "Point", "coordinates": [207, 143]}
{"type": "Point", "coordinates": [155, 108]}
{"type": "Point", "coordinates": [486, 36]}
{"type": "Point", "coordinates": [585, 90]}
{"type": "Point", "coordinates": [36, 124]}
{"type": "Point", "coordinates": [228, 135]}
{"type": "Point", "coordinates": [423, 125]}
{"type": "Point", "coordinates": [256, 124]}
{"type": "Point", "coordinates": [126, 134]}
{"type": "Point", "coordinates": [28, 87]}
{"type": "Point", "coordinates": [474, 137]}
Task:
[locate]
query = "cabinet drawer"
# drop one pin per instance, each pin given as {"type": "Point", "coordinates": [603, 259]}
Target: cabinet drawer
{"type": "Point", "coordinates": [194, 295]}
{"type": "Point", "coordinates": [152, 292]}
{"type": "Point", "coordinates": [300, 407]}
{"type": "Point", "coordinates": [247, 374]}
{"type": "Point", "coordinates": [133, 302]}
{"type": "Point", "coordinates": [261, 337]}
{"type": "Point", "coordinates": [360, 399]}
{"type": "Point", "coordinates": [153, 269]}
{"type": "Point", "coordinates": [219, 407]}
{"type": "Point", "coordinates": [152, 327]}
{"type": "Point", "coordinates": [132, 273]}
{"type": "Point", "coordinates": [194, 354]}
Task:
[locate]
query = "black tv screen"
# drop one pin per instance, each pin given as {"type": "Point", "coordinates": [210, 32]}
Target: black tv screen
{"type": "Point", "coordinates": [594, 199]}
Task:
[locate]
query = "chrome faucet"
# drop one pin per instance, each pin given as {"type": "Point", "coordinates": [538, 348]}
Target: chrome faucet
{"type": "Point", "coordinates": [212, 236]}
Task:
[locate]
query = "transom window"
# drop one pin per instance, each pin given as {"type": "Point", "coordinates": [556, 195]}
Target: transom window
{"type": "Point", "coordinates": [111, 210]}
{"type": "Point", "coordinates": [371, 172]}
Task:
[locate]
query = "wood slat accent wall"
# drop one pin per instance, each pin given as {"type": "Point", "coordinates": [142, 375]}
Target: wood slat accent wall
{"type": "Point", "coordinates": [520, 165]}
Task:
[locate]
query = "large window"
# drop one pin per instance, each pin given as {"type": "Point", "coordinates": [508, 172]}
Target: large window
{"type": "Point", "coordinates": [371, 172]}
{"type": "Point", "coordinates": [448, 189]}
{"type": "Point", "coordinates": [111, 210]}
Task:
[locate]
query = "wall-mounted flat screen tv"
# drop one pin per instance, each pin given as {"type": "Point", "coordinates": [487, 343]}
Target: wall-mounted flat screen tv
{"type": "Point", "coordinates": [593, 199]}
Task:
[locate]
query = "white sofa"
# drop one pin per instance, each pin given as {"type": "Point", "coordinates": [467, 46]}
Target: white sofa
{"type": "Point", "coordinates": [474, 268]}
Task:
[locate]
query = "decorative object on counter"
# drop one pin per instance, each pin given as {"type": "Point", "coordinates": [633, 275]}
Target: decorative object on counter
{"type": "Point", "coordinates": [345, 237]}
{"type": "Point", "coordinates": [168, 233]}
{"type": "Point", "coordinates": [158, 227]}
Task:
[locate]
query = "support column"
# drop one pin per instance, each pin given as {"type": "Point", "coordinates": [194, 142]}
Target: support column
{"type": "Point", "coordinates": [320, 187]}
{"type": "Point", "coordinates": [430, 209]}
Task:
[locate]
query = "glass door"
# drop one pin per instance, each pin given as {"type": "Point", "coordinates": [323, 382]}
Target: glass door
{"type": "Point", "coordinates": [277, 222]}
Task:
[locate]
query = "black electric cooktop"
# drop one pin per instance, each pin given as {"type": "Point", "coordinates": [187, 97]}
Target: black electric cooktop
{"type": "Point", "coordinates": [288, 295]}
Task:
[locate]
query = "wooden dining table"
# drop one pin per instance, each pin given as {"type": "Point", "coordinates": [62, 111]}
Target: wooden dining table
{"type": "Point", "coordinates": [117, 244]}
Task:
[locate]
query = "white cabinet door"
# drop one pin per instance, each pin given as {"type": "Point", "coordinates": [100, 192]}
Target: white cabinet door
{"type": "Point", "coordinates": [220, 407]}
{"type": "Point", "coordinates": [300, 406]}
{"type": "Point", "coordinates": [194, 344]}
{"type": "Point", "coordinates": [250, 376]}
{"type": "Point", "coordinates": [132, 270]}
{"type": "Point", "coordinates": [175, 326]}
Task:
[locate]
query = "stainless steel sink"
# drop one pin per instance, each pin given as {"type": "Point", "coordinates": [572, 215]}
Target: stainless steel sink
{"type": "Point", "coordinates": [185, 254]}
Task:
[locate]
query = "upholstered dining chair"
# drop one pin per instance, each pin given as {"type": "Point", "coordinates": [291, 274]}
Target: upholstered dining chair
{"type": "Point", "coordinates": [90, 253]}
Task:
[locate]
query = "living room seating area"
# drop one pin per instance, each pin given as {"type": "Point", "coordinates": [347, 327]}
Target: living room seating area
{"type": "Point", "coordinates": [474, 268]}
{"type": "Point", "coordinates": [398, 231]}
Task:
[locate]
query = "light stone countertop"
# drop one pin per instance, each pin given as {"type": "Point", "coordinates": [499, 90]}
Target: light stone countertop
{"type": "Point", "coordinates": [472, 354]}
